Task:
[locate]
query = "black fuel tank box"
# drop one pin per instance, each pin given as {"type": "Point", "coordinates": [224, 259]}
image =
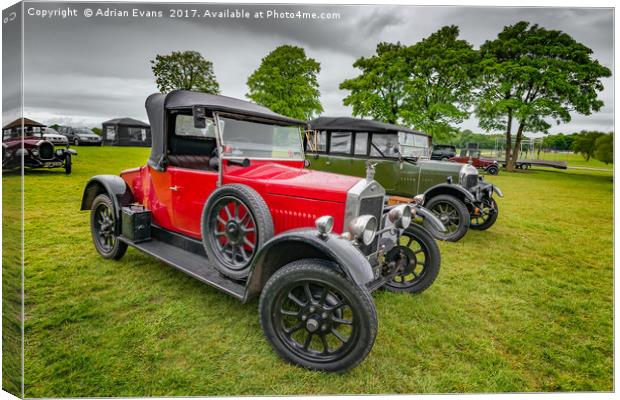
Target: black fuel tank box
{"type": "Point", "coordinates": [136, 223]}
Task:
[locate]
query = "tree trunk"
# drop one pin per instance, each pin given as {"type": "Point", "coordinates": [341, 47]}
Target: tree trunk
{"type": "Point", "coordinates": [509, 165]}
{"type": "Point", "coordinates": [517, 148]}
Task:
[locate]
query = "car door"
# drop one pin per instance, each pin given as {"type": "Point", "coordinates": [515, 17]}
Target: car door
{"type": "Point", "coordinates": [190, 191]}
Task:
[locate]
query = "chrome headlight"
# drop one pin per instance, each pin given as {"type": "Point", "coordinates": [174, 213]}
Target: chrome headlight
{"type": "Point", "coordinates": [324, 224]}
{"type": "Point", "coordinates": [35, 152]}
{"type": "Point", "coordinates": [59, 152]}
{"type": "Point", "coordinates": [401, 216]}
{"type": "Point", "coordinates": [364, 228]}
{"type": "Point", "coordinates": [466, 170]}
{"type": "Point", "coordinates": [419, 199]}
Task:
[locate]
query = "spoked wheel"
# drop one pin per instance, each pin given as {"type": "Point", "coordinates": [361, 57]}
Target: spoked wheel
{"type": "Point", "coordinates": [235, 224]}
{"type": "Point", "coordinates": [493, 170]}
{"type": "Point", "coordinates": [452, 213]}
{"type": "Point", "coordinates": [486, 217]}
{"type": "Point", "coordinates": [419, 258]}
{"type": "Point", "coordinates": [102, 226]}
{"type": "Point", "coordinates": [234, 233]}
{"type": "Point", "coordinates": [316, 318]}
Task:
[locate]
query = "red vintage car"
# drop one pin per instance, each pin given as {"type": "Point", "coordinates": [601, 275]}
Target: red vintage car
{"type": "Point", "coordinates": [225, 198]}
{"type": "Point", "coordinates": [473, 157]}
{"type": "Point", "coordinates": [24, 143]}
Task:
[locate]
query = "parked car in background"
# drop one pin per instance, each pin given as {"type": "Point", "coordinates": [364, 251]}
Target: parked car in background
{"type": "Point", "coordinates": [454, 192]}
{"type": "Point", "coordinates": [473, 157]}
{"type": "Point", "coordinates": [443, 152]}
{"type": "Point", "coordinates": [81, 136]}
{"type": "Point", "coordinates": [225, 197]}
{"type": "Point", "coordinates": [52, 136]}
{"type": "Point", "coordinates": [23, 141]}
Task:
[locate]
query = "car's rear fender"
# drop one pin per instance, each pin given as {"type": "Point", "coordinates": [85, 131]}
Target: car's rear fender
{"type": "Point", "coordinates": [112, 185]}
{"type": "Point", "coordinates": [451, 189]}
{"type": "Point", "coordinates": [306, 243]}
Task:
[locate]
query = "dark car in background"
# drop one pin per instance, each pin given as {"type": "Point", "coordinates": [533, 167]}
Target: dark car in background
{"type": "Point", "coordinates": [81, 136]}
{"type": "Point", "coordinates": [443, 152]}
{"type": "Point", "coordinates": [24, 144]}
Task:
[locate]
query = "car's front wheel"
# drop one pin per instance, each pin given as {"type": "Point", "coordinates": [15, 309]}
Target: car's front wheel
{"type": "Point", "coordinates": [316, 318]}
{"type": "Point", "coordinates": [76, 142]}
{"type": "Point", "coordinates": [452, 213]}
{"type": "Point", "coordinates": [486, 216]}
{"type": "Point", "coordinates": [102, 228]}
{"type": "Point", "coordinates": [421, 259]}
{"type": "Point", "coordinates": [493, 170]}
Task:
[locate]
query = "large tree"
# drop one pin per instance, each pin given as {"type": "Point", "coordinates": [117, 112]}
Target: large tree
{"type": "Point", "coordinates": [184, 70]}
{"type": "Point", "coordinates": [605, 148]}
{"type": "Point", "coordinates": [584, 143]}
{"type": "Point", "coordinates": [530, 75]}
{"type": "Point", "coordinates": [286, 82]}
{"type": "Point", "coordinates": [441, 73]}
{"type": "Point", "coordinates": [378, 92]}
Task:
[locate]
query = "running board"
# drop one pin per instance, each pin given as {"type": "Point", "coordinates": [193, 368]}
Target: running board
{"type": "Point", "coordinates": [195, 265]}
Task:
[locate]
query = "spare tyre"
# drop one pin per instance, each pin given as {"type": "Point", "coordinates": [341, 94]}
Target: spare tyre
{"type": "Point", "coordinates": [235, 224]}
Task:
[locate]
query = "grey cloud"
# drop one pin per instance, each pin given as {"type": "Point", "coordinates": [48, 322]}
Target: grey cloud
{"type": "Point", "coordinates": [89, 70]}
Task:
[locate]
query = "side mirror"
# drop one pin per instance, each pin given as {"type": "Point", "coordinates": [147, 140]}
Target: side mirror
{"type": "Point", "coordinates": [200, 117]}
{"type": "Point", "coordinates": [306, 163]}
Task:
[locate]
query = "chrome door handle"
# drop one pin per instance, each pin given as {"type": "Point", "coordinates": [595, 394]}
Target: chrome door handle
{"type": "Point", "coordinates": [174, 188]}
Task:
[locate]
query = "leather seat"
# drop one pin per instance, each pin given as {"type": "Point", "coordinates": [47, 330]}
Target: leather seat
{"type": "Point", "coordinates": [190, 161]}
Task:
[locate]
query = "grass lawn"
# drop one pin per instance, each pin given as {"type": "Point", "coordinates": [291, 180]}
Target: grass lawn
{"type": "Point", "coordinates": [524, 306]}
{"type": "Point", "coordinates": [572, 159]}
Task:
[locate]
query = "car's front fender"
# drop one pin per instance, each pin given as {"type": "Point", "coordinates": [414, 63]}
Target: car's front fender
{"type": "Point", "coordinates": [450, 189]}
{"type": "Point", "coordinates": [307, 243]}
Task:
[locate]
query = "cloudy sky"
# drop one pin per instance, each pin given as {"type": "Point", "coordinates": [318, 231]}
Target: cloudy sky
{"type": "Point", "coordinates": [82, 71]}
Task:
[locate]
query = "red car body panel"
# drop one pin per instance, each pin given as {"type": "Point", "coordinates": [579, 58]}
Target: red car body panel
{"type": "Point", "coordinates": [478, 162]}
{"type": "Point", "coordinates": [296, 197]}
{"type": "Point", "coordinates": [30, 142]}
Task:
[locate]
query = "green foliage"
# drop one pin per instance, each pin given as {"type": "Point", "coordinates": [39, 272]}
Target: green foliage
{"type": "Point", "coordinates": [460, 139]}
{"type": "Point", "coordinates": [530, 74]}
{"type": "Point", "coordinates": [184, 70]}
{"type": "Point", "coordinates": [97, 131]}
{"type": "Point", "coordinates": [55, 126]}
{"type": "Point", "coordinates": [605, 148]}
{"type": "Point", "coordinates": [379, 91]}
{"type": "Point", "coordinates": [585, 143]}
{"type": "Point", "coordinates": [559, 142]}
{"type": "Point", "coordinates": [427, 85]}
{"type": "Point", "coordinates": [286, 82]}
{"type": "Point", "coordinates": [441, 72]}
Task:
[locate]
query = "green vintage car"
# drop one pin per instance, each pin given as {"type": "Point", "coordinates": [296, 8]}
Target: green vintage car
{"type": "Point", "coordinates": [453, 191]}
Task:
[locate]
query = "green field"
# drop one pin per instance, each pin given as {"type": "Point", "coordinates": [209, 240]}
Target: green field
{"type": "Point", "coordinates": [525, 306]}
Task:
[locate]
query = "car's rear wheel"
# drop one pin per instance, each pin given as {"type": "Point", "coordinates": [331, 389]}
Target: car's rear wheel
{"type": "Point", "coordinates": [235, 224]}
{"type": "Point", "coordinates": [486, 217]}
{"type": "Point", "coordinates": [68, 164]}
{"type": "Point", "coordinates": [76, 142]}
{"type": "Point", "coordinates": [315, 318]}
{"type": "Point", "coordinates": [421, 259]}
{"type": "Point", "coordinates": [452, 213]}
{"type": "Point", "coordinates": [103, 228]}
{"type": "Point", "coordinates": [444, 158]}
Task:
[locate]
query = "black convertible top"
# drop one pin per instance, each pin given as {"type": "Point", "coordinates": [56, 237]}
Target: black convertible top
{"type": "Point", "coordinates": [350, 124]}
{"type": "Point", "coordinates": [158, 103]}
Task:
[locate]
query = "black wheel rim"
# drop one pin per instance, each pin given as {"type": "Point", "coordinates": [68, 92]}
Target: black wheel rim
{"type": "Point", "coordinates": [315, 321]}
{"type": "Point", "coordinates": [234, 234]}
{"type": "Point", "coordinates": [415, 259]}
{"type": "Point", "coordinates": [483, 215]}
{"type": "Point", "coordinates": [104, 227]}
{"type": "Point", "coordinates": [449, 216]}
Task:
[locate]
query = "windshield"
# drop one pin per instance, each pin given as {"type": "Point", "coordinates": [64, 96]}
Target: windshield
{"type": "Point", "coordinates": [246, 139]}
{"type": "Point", "coordinates": [84, 131]}
{"type": "Point", "coordinates": [412, 145]}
